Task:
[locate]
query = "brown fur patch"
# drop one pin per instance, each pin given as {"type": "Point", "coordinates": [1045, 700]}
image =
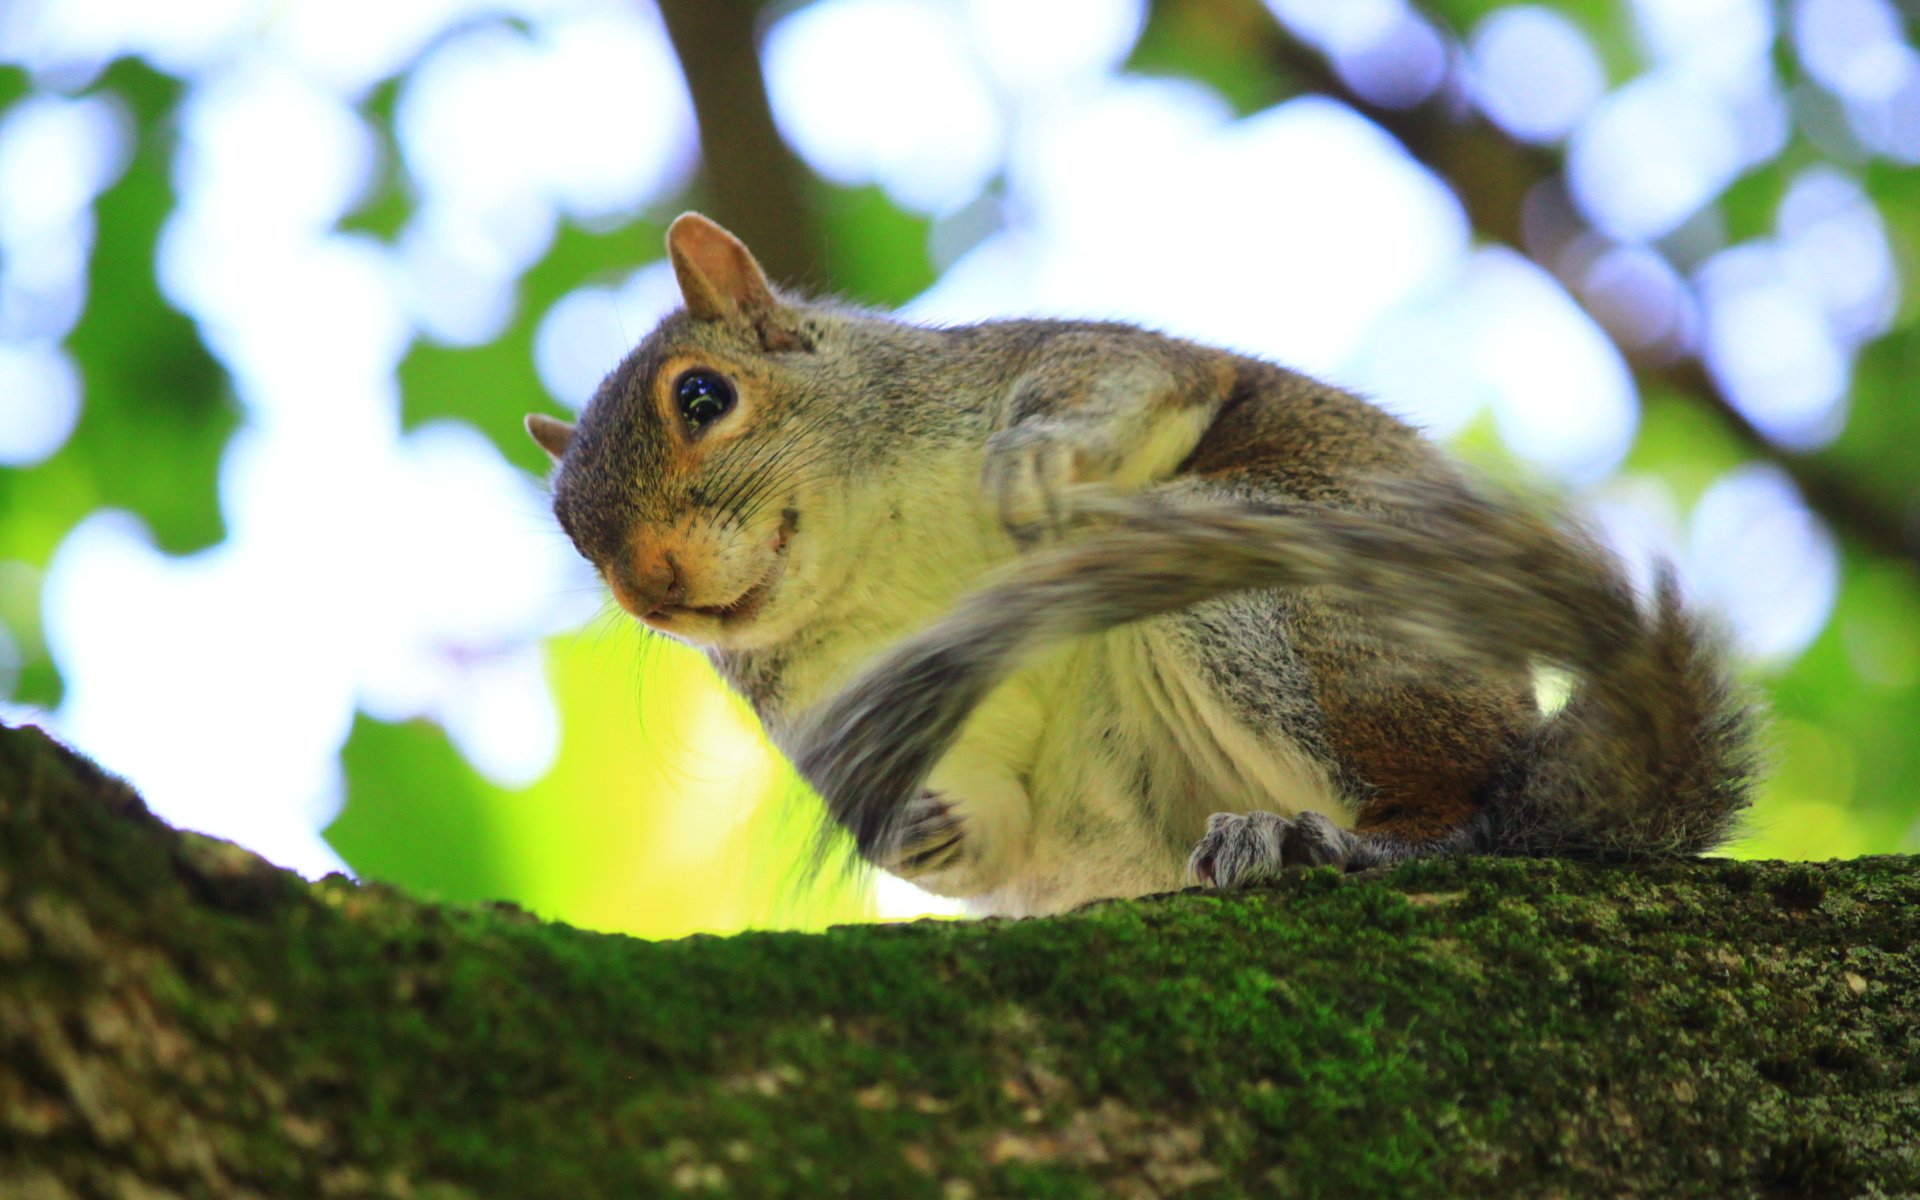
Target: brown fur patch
{"type": "Point", "coordinates": [1421, 737]}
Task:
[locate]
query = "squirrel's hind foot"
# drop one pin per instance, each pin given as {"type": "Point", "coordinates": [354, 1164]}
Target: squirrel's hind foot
{"type": "Point", "coordinates": [1239, 849]}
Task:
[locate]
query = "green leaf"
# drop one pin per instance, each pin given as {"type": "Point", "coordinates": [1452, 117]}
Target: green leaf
{"type": "Point", "coordinates": [1883, 425]}
{"type": "Point", "coordinates": [1218, 43]}
{"type": "Point", "coordinates": [1682, 443]}
{"type": "Point", "coordinates": [878, 251]}
{"type": "Point", "coordinates": [13, 85]}
{"type": "Point", "coordinates": [384, 210]}
{"type": "Point", "coordinates": [417, 814]}
{"type": "Point", "coordinates": [1751, 201]}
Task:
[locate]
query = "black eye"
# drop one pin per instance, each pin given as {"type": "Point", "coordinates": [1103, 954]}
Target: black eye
{"type": "Point", "coordinates": [703, 396]}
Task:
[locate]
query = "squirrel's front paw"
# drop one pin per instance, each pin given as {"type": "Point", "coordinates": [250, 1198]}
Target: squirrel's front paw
{"type": "Point", "coordinates": [1026, 477]}
{"type": "Point", "coordinates": [1239, 849]}
{"type": "Point", "coordinates": [931, 836]}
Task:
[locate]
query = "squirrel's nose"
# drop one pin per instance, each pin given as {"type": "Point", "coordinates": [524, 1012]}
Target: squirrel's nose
{"type": "Point", "coordinates": [650, 586]}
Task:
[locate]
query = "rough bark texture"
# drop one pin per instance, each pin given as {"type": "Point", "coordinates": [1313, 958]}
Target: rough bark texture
{"type": "Point", "coordinates": [178, 1018]}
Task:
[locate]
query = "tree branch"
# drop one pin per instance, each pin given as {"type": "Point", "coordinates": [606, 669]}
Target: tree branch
{"type": "Point", "coordinates": [179, 1018]}
{"type": "Point", "coordinates": [751, 182]}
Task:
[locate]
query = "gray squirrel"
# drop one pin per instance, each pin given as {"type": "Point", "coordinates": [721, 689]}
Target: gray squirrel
{"type": "Point", "coordinates": [1053, 611]}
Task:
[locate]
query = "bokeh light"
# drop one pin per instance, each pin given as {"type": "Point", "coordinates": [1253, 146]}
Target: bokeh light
{"type": "Point", "coordinates": [1534, 71]}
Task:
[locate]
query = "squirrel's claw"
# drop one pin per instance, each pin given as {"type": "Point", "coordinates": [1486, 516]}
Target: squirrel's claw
{"type": "Point", "coordinates": [1239, 849]}
{"type": "Point", "coordinates": [932, 834]}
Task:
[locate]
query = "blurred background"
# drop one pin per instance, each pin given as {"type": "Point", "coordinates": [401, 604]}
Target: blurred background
{"type": "Point", "coordinates": [278, 279]}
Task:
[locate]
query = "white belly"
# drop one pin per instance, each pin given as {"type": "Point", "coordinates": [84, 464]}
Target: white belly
{"type": "Point", "coordinates": [1092, 774]}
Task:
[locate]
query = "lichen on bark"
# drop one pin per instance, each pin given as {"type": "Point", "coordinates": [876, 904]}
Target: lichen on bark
{"type": "Point", "coordinates": [178, 1018]}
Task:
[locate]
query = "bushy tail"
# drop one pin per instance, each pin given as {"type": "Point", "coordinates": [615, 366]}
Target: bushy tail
{"type": "Point", "coordinates": [1652, 754]}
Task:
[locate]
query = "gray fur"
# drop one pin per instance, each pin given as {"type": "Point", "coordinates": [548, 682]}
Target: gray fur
{"type": "Point", "coordinates": [1025, 599]}
{"type": "Point", "coordinates": [1651, 756]}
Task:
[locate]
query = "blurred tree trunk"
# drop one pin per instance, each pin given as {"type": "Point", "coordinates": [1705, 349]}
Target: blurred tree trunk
{"type": "Point", "coordinates": [749, 181]}
{"type": "Point", "coordinates": [178, 1018]}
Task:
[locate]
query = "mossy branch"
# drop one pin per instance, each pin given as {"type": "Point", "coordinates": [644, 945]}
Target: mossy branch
{"type": "Point", "coordinates": [180, 1017]}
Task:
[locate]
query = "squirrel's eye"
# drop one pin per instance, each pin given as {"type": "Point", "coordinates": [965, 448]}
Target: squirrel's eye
{"type": "Point", "coordinates": [703, 396]}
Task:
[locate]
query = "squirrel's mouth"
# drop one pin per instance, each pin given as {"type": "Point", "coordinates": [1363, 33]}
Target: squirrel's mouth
{"type": "Point", "coordinates": [746, 606]}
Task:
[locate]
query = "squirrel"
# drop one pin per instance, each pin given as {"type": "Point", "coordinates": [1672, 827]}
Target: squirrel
{"type": "Point", "coordinates": [1051, 611]}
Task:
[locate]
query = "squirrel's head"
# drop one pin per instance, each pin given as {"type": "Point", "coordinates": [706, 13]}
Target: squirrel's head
{"type": "Point", "coordinates": [689, 476]}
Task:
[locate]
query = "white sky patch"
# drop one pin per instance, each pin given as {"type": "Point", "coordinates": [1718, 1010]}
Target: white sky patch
{"type": "Point", "coordinates": [1651, 154]}
{"type": "Point", "coordinates": [431, 552]}
{"type": "Point", "coordinates": [1835, 246]}
{"type": "Point", "coordinates": [616, 124]}
{"type": "Point", "coordinates": [1858, 51]}
{"type": "Point", "coordinates": [1639, 297]}
{"type": "Point", "coordinates": [1892, 127]}
{"type": "Point", "coordinates": [43, 282]}
{"type": "Point", "coordinates": [1325, 227]}
{"type": "Point", "coordinates": [503, 132]}
{"type": "Point", "coordinates": [1504, 335]}
{"type": "Point", "coordinates": [588, 114]}
{"type": "Point", "coordinates": [1562, 395]}
{"type": "Point", "coordinates": [1725, 48]}
{"type": "Point", "coordinates": [1381, 48]}
{"type": "Point", "coordinates": [179, 36]}
{"type": "Point", "coordinates": [409, 580]}
{"type": "Point", "coordinates": [1784, 316]}
{"type": "Point", "coordinates": [1418, 364]}
{"type": "Point", "coordinates": [1722, 43]}
{"type": "Point", "coordinates": [457, 270]}
{"type": "Point", "coordinates": [937, 136]}
{"type": "Point", "coordinates": [1639, 519]}
{"type": "Point", "coordinates": [1027, 47]}
{"type": "Point", "coordinates": [267, 314]}
{"type": "Point", "coordinates": [589, 330]}
{"type": "Point", "coordinates": [1763, 560]}
{"type": "Point", "coordinates": [1771, 346]}
{"type": "Point", "coordinates": [39, 401]}
{"type": "Point", "coordinates": [1402, 69]}
{"type": "Point", "coordinates": [1097, 157]}
{"type": "Point", "coordinates": [439, 563]}
{"type": "Point", "coordinates": [1534, 71]}
{"type": "Point", "coordinates": [55, 156]}
{"type": "Point", "coordinates": [1750, 552]}
{"type": "Point", "coordinates": [1348, 27]}
{"type": "Point", "coordinates": [894, 899]}
{"type": "Point", "coordinates": [349, 45]}
{"type": "Point", "coordinates": [265, 152]}
{"type": "Point", "coordinates": [1855, 48]}
{"type": "Point", "coordinates": [191, 677]}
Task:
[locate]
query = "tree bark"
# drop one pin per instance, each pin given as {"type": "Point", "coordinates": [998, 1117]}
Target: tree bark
{"type": "Point", "coordinates": [179, 1018]}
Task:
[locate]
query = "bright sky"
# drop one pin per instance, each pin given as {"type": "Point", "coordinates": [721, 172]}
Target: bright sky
{"type": "Point", "coordinates": [414, 574]}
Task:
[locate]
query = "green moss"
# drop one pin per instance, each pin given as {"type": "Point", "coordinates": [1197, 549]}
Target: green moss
{"type": "Point", "coordinates": [178, 1011]}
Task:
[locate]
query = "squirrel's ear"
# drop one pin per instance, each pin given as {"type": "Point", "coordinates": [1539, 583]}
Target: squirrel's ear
{"type": "Point", "coordinates": [718, 277]}
{"type": "Point", "coordinates": [549, 434]}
